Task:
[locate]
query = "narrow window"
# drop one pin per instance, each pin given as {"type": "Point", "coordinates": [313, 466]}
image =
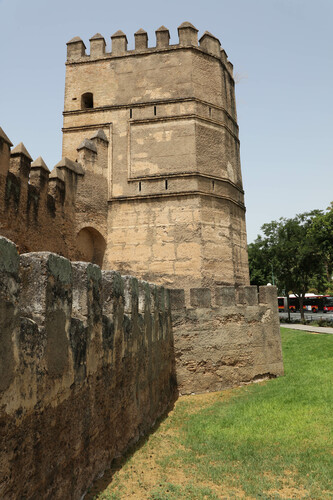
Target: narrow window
{"type": "Point", "coordinates": [131, 113]}
{"type": "Point", "coordinates": [139, 185]}
{"type": "Point", "coordinates": [87, 101]}
{"type": "Point", "coordinates": [154, 110]}
{"type": "Point", "coordinates": [210, 112]}
{"type": "Point", "coordinates": [213, 185]}
{"type": "Point", "coordinates": [166, 184]}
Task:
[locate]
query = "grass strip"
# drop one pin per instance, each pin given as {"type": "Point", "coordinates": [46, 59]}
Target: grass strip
{"type": "Point", "coordinates": [266, 440]}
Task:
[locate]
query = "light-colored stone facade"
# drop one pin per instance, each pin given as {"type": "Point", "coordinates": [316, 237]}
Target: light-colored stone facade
{"type": "Point", "coordinates": [149, 185]}
{"type": "Point", "coordinates": [169, 186]}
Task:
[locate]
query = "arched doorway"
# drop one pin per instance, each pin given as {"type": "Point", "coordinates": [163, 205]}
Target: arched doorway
{"type": "Point", "coordinates": [90, 246]}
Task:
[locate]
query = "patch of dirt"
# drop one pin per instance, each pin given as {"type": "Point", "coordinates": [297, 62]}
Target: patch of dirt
{"type": "Point", "coordinates": [138, 473]}
{"type": "Point", "coordinates": [289, 489]}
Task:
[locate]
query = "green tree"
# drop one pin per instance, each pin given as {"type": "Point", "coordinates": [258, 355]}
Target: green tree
{"type": "Point", "coordinates": [322, 231]}
{"type": "Point", "coordinates": [291, 248]}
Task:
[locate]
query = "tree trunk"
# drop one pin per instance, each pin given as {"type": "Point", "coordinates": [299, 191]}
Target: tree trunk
{"type": "Point", "coordinates": [301, 302]}
{"type": "Point", "coordinates": [288, 307]}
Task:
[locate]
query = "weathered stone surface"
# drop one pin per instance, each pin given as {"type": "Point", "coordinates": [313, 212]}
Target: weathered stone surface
{"type": "Point", "coordinates": [150, 184]}
{"type": "Point", "coordinates": [77, 386]}
{"type": "Point", "coordinates": [229, 344]}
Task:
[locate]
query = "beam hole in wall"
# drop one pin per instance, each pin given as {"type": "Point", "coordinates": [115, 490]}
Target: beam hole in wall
{"type": "Point", "coordinates": [87, 100]}
{"type": "Point", "coordinates": [90, 246]}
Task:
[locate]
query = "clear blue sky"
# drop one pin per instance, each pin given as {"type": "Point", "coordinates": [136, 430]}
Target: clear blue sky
{"type": "Point", "coordinates": [282, 53]}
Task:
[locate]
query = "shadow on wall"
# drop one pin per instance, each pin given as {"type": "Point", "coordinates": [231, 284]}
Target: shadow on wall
{"type": "Point", "coordinates": [91, 246]}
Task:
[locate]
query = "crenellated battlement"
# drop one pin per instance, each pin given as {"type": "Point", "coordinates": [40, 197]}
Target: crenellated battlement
{"type": "Point", "coordinates": [33, 199]}
{"type": "Point", "coordinates": [187, 38]}
{"type": "Point", "coordinates": [223, 296]}
{"type": "Point", "coordinates": [225, 336]}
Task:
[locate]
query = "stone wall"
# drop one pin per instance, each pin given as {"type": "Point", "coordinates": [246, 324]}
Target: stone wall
{"type": "Point", "coordinates": [62, 211]}
{"type": "Point", "coordinates": [226, 338]}
{"type": "Point", "coordinates": [86, 367]}
{"type": "Point", "coordinates": [36, 206]}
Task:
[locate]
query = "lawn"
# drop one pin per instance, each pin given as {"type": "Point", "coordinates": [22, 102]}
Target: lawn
{"type": "Point", "coordinates": [270, 440]}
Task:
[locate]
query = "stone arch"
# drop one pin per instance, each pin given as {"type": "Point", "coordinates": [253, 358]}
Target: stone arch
{"type": "Point", "coordinates": [87, 100]}
{"type": "Point", "coordinates": [90, 246]}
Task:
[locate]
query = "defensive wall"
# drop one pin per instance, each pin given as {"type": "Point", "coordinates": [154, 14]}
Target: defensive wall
{"type": "Point", "coordinates": [36, 206]}
{"type": "Point", "coordinates": [225, 337]}
{"type": "Point", "coordinates": [46, 211]}
{"type": "Point", "coordinates": [90, 359]}
{"type": "Point", "coordinates": [86, 367]}
{"type": "Point", "coordinates": [150, 185]}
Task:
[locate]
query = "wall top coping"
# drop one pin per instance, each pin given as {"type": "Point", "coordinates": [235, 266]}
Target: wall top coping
{"type": "Point", "coordinates": [4, 137]}
{"type": "Point", "coordinates": [20, 149]}
{"type": "Point", "coordinates": [140, 31]}
{"type": "Point", "coordinates": [57, 174]}
{"type": "Point", "coordinates": [71, 165]}
{"type": "Point", "coordinates": [209, 35]}
{"type": "Point", "coordinates": [119, 34]}
{"type": "Point", "coordinates": [87, 144]}
{"type": "Point", "coordinates": [100, 134]}
{"type": "Point", "coordinates": [186, 24]}
{"type": "Point", "coordinates": [76, 39]}
{"type": "Point", "coordinates": [40, 163]}
{"type": "Point", "coordinates": [98, 36]}
{"type": "Point", "coordinates": [162, 29]}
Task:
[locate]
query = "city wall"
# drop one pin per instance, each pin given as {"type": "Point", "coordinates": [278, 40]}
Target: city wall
{"type": "Point", "coordinates": [36, 206]}
{"type": "Point", "coordinates": [86, 368]}
{"type": "Point", "coordinates": [225, 337]}
{"type": "Point", "coordinates": [62, 211]}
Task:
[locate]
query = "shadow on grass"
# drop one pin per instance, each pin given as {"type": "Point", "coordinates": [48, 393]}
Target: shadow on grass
{"type": "Point", "coordinates": [100, 484]}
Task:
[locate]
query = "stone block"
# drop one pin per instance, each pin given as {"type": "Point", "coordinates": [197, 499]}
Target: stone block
{"type": "Point", "coordinates": [177, 299]}
{"type": "Point", "coordinates": [188, 34]}
{"type": "Point", "coordinates": [9, 311]}
{"type": "Point", "coordinates": [141, 39]}
{"type": "Point", "coordinates": [250, 295]}
{"type": "Point", "coordinates": [162, 37]}
{"type": "Point", "coordinates": [268, 295]}
{"type": "Point", "coordinates": [225, 296]}
{"type": "Point", "coordinates": [200, 297]}
{"type": "Point", "coordinates": [131, 295]}
{"type": "Point", "coordinates": [112, 290]}
{"type": "Point", "coordinates": [87, 296]}
{"type": "Point", "coordinates": [144, 297]}
{"type": "Point", "coordinates": [46, 298]}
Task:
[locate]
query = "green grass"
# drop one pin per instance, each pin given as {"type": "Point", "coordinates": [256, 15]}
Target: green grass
{"type": "Point", "coordinates": [268, 440]}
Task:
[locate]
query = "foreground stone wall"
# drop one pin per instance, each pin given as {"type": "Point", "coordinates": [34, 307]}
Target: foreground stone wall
{"type": "Point", "coordinates": [86, 367]}
{"type": "Point", "coordinates": [225, 337]}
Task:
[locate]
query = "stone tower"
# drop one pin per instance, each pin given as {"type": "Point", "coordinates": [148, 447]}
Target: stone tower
{"type": "Point", "coordinates": [158, 128]}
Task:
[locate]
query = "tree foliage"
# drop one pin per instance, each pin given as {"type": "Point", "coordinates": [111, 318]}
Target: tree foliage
{"type": "Point", "coordinates": [296, 254]}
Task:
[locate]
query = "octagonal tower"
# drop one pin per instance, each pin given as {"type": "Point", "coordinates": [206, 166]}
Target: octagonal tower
{"type": "Point", "coordinates": [174, 202]}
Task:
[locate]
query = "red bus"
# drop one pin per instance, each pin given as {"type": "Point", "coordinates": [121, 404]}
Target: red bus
{"type": "Point", "coordinates": [312, 303]}
{"type": "Point", "coordinates": [328, 304]}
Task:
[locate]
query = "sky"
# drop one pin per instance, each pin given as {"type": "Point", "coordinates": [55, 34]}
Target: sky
{"type": "Point", "coordinates": [282, 54]}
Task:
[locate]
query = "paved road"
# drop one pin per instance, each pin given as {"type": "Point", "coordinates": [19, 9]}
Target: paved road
{"type": "Point", "coordinates": [308, 316]}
